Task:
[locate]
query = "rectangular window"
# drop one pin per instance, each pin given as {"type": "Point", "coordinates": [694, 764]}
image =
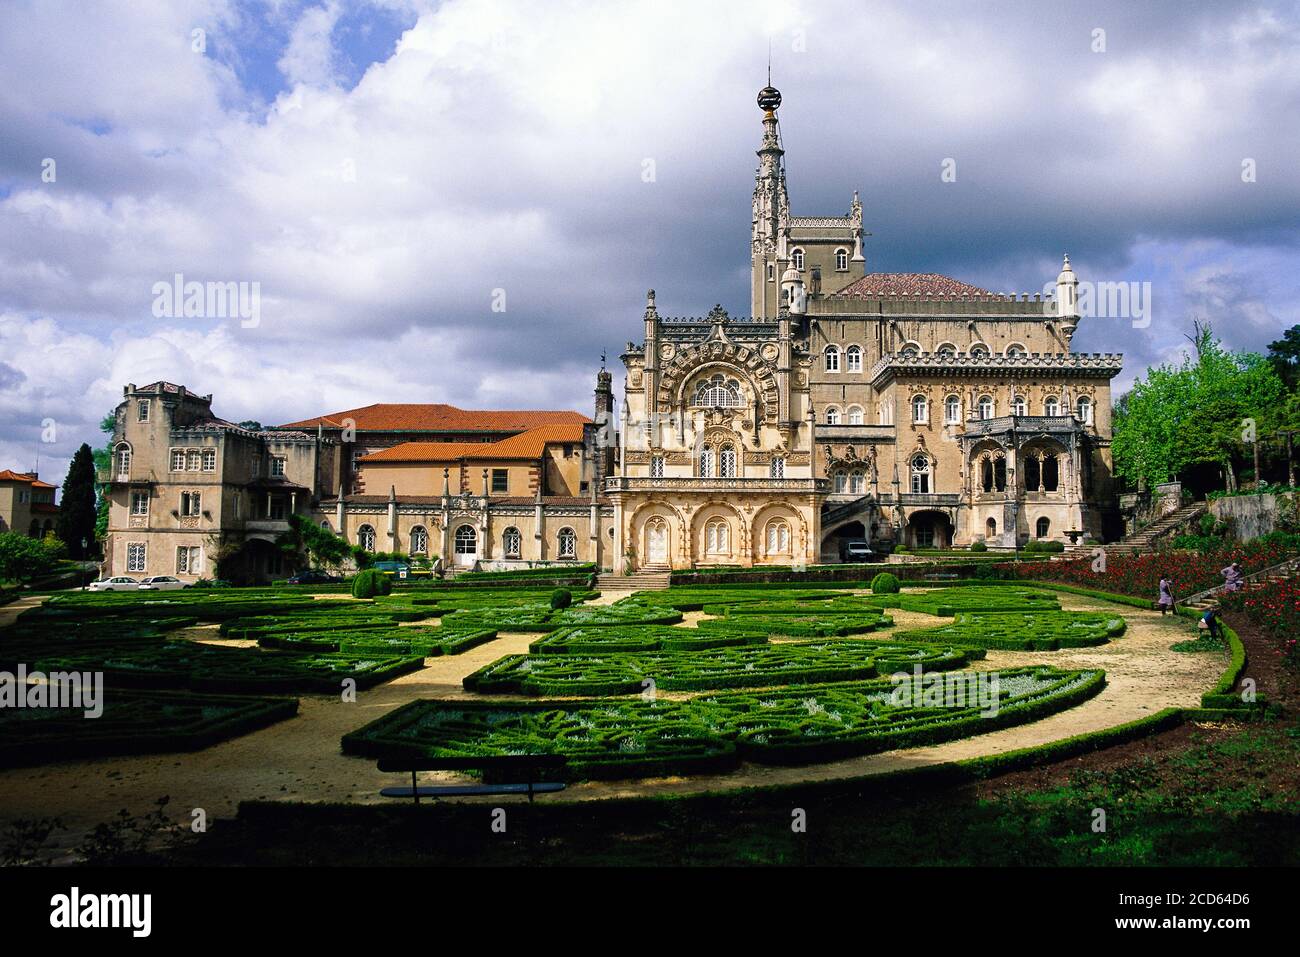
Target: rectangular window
{"type": "Point", "coordinates": [189, 561]}
{"type": "Point", "coordinates": [135, 556]}
{"type": "Point", "coordinates": [178, 460]}
{"type": "Point", "coordinates": [193, 460]}
{"type": "Point", "coordinates": [190, 503]}
{"type": "Point", "coordinates": [657, 467]}
{"type": "Point", "coordinates": [22, 496]}
{"type": "Point", "coordinates": [257, 466]}
{"type": "Point", "coordinates": [239, 502]}
{"type": "Point", "coordinates": [144, 410]}
{"type": "Point", "coordinates": [500, 480]}
{"type": "Point", "coordinates": [277, 465]}
{"type": "Point", "coordinates": [778, 468]}
{"type": "Point", "coordinates": [277, 510]}
{"type": "Point", "coordinates": [139, 503]}
{"type": "Point", "coordinates": [209, 460]}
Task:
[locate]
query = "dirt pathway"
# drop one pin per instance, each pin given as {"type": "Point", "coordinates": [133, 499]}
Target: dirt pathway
{"type": "Point", "coordinates": [300, 759]}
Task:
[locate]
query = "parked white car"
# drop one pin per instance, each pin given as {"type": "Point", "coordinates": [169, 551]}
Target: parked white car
{"type": "Point", "coordinates": [162, 583]}
{"type": "Point", "coordinates": [120, 583]}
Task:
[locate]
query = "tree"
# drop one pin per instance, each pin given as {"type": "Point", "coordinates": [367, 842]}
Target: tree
{"type": "Point", "coordinates": [1203, 410]}
{"type": "Point", "coordinates": [322, 548]}
{"type": "Point", "coordinates": [23, 558]}
{"type": "Point", "coordinates": [1284, 354]}
{"type": "Point", "coordinates": [103, 459]}
{"type": "Point", "coordinates": [77, 508]}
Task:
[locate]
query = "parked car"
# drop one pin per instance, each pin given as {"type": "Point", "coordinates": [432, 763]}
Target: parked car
{"type": "Point", "coordinates": [310, 576]}
{"type": "Point", "coordinates": [162, 583]}
{"type": "Point", "coordinates": [117, 583]}
{"type": "Point", "coordinates": [859, 552]}
{"type": "Point", "coordinates": [396, 569]}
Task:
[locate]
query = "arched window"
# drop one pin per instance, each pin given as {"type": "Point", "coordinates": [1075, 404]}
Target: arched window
{"type": "Point", "coordinates": [842, 259]}
{"type": "Point", "coordinates": [841, 481]}
{"type": "Point", "coordinates": [797, 258]}
{"type": "Point", "coordinates": [706, 462]}
{"type": "Point", "coordinates": [910, 349]}
{"type": "Point", "coordinates": [419, 540]}
{"type": "Point", "coordinates": [978, 350]}
{"type": "Point", "coordinates": [832, 355]}
{"type": "Point", "coordinates": [771, 272]}
{"type": "Point", "coordinates": [512, 542]}
{"type": "Point", "coordinates": [857, 482]}
{"type": "Point", "coordinates": [920, 474]}
{"type": "Point", "coordinates": [854, 356]}
{"type": "Point", "coordinates": [991, 528]}
{"type": "Point", "coordinates": [366, 537]}
{"type": "Point", "coordinates": [946, 349]}
{"type": "Point", "coordinates": [466, 540]}
{"type": "Point", "coordinates": [727, 459]}
{"type": "Point", "coordinates": [920, 409]}
{"type": "Point", "coordinates": [1051, 406]}
{"type": "Point", "coordinates": [568, 542]}
{"type": "Point", "coordinates": [855, 415]}
{"type": "Point", "coordinates": [1085, 410]}
{"type": "Point", "coordinates": [717, 538]}
{"type": "Point", "coordinates": [1018, 405]}
{"type": "Point", "coordinates": [123, 457]}
{"type": "Point", "coordinates": [1015, 349]}
{"type": "Point", "coordinates": [993, 475]}
{"type": "Point", "coordinates": [952, 410]}
{"type": "Point", "coordinates": [1042, 527]}
{"type": "Point", "coordinates": [778, 537]}
{"type": "Point", "coordinates": [326, 525]}
{"type": "Point", "coordinates": [832, 415]}
{"type": "Point", "coordinates": [718, 391]}
{"type": "Point", "coordinates": [986, 406]}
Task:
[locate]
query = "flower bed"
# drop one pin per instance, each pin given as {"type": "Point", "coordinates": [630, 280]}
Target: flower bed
{"type": "Point", "coordinates": [621, 639]}
{"type": "Point", "coordinates": [1275, 607]}
{"type": "Point", "coordinates": [947, 602]}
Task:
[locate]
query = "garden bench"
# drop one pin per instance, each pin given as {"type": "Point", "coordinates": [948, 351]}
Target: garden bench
{"type": "Point", "coordinates": [526, 765]}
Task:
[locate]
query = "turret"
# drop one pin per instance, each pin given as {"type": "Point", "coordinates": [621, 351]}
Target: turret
{"type": "Point", "coordinates": [1067, 300]}
{"type": "Point", "coordinates": [792, 292]}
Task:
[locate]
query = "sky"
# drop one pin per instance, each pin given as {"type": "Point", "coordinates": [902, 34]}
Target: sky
{"type": "Point", "coordinates": [466, 201]}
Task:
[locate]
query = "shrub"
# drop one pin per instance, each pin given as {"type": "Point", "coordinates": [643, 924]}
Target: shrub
{"type": "Point", "coordinates": [561, 598]}
{"type": "Point", "coordinates": [369, 583]}
{"type": "Point", "coordinates": [886, 583]}
{"type": "Point", "coordinates": [978, 547]}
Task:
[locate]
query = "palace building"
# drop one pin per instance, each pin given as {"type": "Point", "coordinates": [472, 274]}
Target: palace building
{"type": "Point", "coordinates": [901, 408]}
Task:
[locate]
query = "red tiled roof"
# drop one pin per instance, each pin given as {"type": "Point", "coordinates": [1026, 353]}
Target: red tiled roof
{"type": "Point", "coordinates": [438, 417]}
{"type": "Point", "coordinates": [911, 284]}
{"type": "Point", "coordinates": [8, 475]}
{"type": "Point", "coordinates": [526, 445]}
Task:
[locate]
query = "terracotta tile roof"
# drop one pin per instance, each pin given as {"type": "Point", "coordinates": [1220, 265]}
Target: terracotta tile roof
{"type": "Point", "coordinates": [438, 417]}
{"type": "Point", "coordinates": [526, 445]}
{"type": "Point", "coordinates": [930, 284]}
{"type": "Point", "coordinates": [8, 475]}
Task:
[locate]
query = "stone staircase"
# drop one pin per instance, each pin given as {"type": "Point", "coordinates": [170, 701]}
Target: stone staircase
{"type": "Point", "coordinates": [649, 578]}
{"type": "Point", "coordinates": [1265, 576]}
{"type": "Point", "coordinates": [1145, 540]}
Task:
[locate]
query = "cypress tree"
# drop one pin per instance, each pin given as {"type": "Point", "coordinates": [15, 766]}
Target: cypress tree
{"type": "Point", "coordinates": [77, 507]}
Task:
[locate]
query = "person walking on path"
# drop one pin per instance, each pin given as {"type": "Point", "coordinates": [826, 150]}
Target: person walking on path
{"type": "Point", "coordinates": [1166, 601]}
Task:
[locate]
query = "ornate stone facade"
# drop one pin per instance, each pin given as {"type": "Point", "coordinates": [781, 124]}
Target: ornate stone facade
{"type": "Point", "coordinates": [906, 408]}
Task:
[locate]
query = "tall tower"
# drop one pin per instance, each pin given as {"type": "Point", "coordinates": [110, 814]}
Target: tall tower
{"type": "Point", "coordinates": [769, 249]}
{"type": "Point", "coordinates": [606, 427]}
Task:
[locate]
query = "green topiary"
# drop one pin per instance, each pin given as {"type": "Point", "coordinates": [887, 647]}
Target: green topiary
{"type": "Point", "coordinates": [978, 547]}
{"type": "Point", "coordinates": [369, 583]}
{"type": "Point", "coordinates": [561, 598]}
{"type": "Point", "coordinates": [886, 583]}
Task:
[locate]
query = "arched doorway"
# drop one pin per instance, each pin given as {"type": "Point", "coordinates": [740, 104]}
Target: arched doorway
{"type": "Point", "coordinates": [465, 545]}
{"type": "Point", "coordinates": [835, 542]}
{"type": "Point", "coordinates": [991, 529]}
{"type": "Point", "coordinates": [655, 544]}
